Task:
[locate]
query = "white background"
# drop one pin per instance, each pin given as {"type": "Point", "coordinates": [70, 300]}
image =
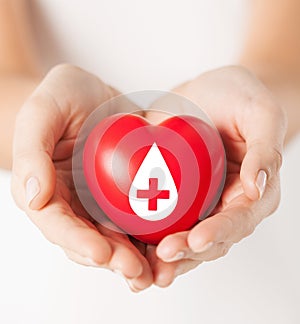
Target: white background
{"type": "Point", "coordinates": [137, 45]}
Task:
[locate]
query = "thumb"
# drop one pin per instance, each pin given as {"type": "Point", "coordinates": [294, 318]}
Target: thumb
{"type": "Point", "coordinates": [264, 134]}
{"type": "Point", "coordinates": [36, 132]}
{"type": "Point", "coordinates": [260, 164]}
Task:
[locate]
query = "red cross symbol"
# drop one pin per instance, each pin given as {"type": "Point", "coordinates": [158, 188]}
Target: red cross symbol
{"type": "Point", "coordinates": [153, 193]}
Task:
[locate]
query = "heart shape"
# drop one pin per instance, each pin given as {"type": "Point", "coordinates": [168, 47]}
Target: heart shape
{"type": "Point", "coordinates": [154, 180]}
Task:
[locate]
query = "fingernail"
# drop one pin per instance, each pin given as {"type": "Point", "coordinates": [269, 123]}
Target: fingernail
{"type": "Point", "coordinates": [180, 255]}
{"type": "Point", "coordinates": [204, 247]}
{"type": "Point", "coordinates": [119, 273]}
{"type": "Point", "coordinates": [261, 181]}
{"type": "Point", "coordinates": [132, 287]}
{"type": "Point", "coordinates": [91, 262]}
{"type": "Point", "coordinates": [32, 189]}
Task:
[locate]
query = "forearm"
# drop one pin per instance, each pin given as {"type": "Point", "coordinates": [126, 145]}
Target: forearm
{"type": "Point", "coordinates": [13, 89]}
{"type": "Point", "coordinates": [18, 48]}
{"type": "Point", "coordinates": [272, 52]}
{"type": "Point", "coordinates": [20, 68]}
{"type": "Point", "coordinates": [273, 34]}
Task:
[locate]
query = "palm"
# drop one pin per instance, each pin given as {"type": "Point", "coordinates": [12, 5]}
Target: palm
{"type": "Point", "coordinates": [235, 150]}
{"type": "Point", "coordinates": [67, 200]}
{"type": "Point", "coordinates": [241, 109]}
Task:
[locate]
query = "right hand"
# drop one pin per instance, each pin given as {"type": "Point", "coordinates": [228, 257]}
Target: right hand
{"type": "Point", "coordinates": [42, 184]}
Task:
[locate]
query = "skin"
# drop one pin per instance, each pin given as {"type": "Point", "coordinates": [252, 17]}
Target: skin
{"type": "Point", "coordinates": [241, 114]}
{"type": "Point", "coordinates": [252, 124]}
{"type": "Point", "coordinates": [19, 74]}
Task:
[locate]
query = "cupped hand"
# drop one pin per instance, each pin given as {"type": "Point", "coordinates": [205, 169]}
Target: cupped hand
{"type": "Point", "coordinates": [42, 185]}
{"type": "Point", "coordinates": [252, 127]}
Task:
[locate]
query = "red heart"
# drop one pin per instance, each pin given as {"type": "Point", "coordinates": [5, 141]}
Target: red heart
{"type": "Point", "coordinates": [192, 151]}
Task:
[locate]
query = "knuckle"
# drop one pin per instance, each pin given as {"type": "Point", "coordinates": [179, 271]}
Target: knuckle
{"type": "Point", "coordinates": [269, 157]}
{"type": "Point", "coordinates": [276, 160]}
{"type": "Point", "coordinates": [64, 67]}
{"type": "Point", "coordinates": [61, 236]}
{"type": "Point", "coordinates": [242, 225]}
{"type": "Point", "coordinates": [26, 164]}
{"type": "Point", "coordinates": [220, 252]}
{"type": "Point", "coordinates": [238, 70]}
{"type": "Point", "coordinates": [247, 224]}
{"type": "Point", "coordinates": [248, 228]}
{"type": "Point", "coordinates": [102, 259]}
{"type": "Point", "coordinates": [264, 102]}
{"type": "Point", "coordinates": [229, 223]}
{"type": "Point", "coordinates": [22, 158]}
{"type": "Point", "coordinates": [224, 250]}
{"type": "Point", "coordinates": [275, 193]}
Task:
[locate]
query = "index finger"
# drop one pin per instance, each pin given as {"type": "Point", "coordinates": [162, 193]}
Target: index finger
{"type": "Point", "coordinates": [237, 221]}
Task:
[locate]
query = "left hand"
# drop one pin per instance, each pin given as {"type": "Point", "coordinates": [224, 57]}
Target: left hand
{"type": "Point", "coordinates": [252, 127]}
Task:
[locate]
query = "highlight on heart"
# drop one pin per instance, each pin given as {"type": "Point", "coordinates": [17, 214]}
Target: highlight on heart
{"type": "Point", "coordinates": [149, 163]}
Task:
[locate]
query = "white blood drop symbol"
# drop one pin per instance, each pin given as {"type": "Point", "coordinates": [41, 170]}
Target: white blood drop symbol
{"type": "Point", "coordinates": [153, 194]}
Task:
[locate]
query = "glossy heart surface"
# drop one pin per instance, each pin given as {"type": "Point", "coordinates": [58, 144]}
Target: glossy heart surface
{"type": "Point", "coordinates": [154, 180]}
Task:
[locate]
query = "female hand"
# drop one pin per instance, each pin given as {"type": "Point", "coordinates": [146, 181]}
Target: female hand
{"type": "Point", "coordinates": [42, 184]}
{"type": "Point", "coordinates": [252, 127]}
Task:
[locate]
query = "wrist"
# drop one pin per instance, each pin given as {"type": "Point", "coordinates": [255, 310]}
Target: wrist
{"type": "Point", "coordinates": [284, 83]}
